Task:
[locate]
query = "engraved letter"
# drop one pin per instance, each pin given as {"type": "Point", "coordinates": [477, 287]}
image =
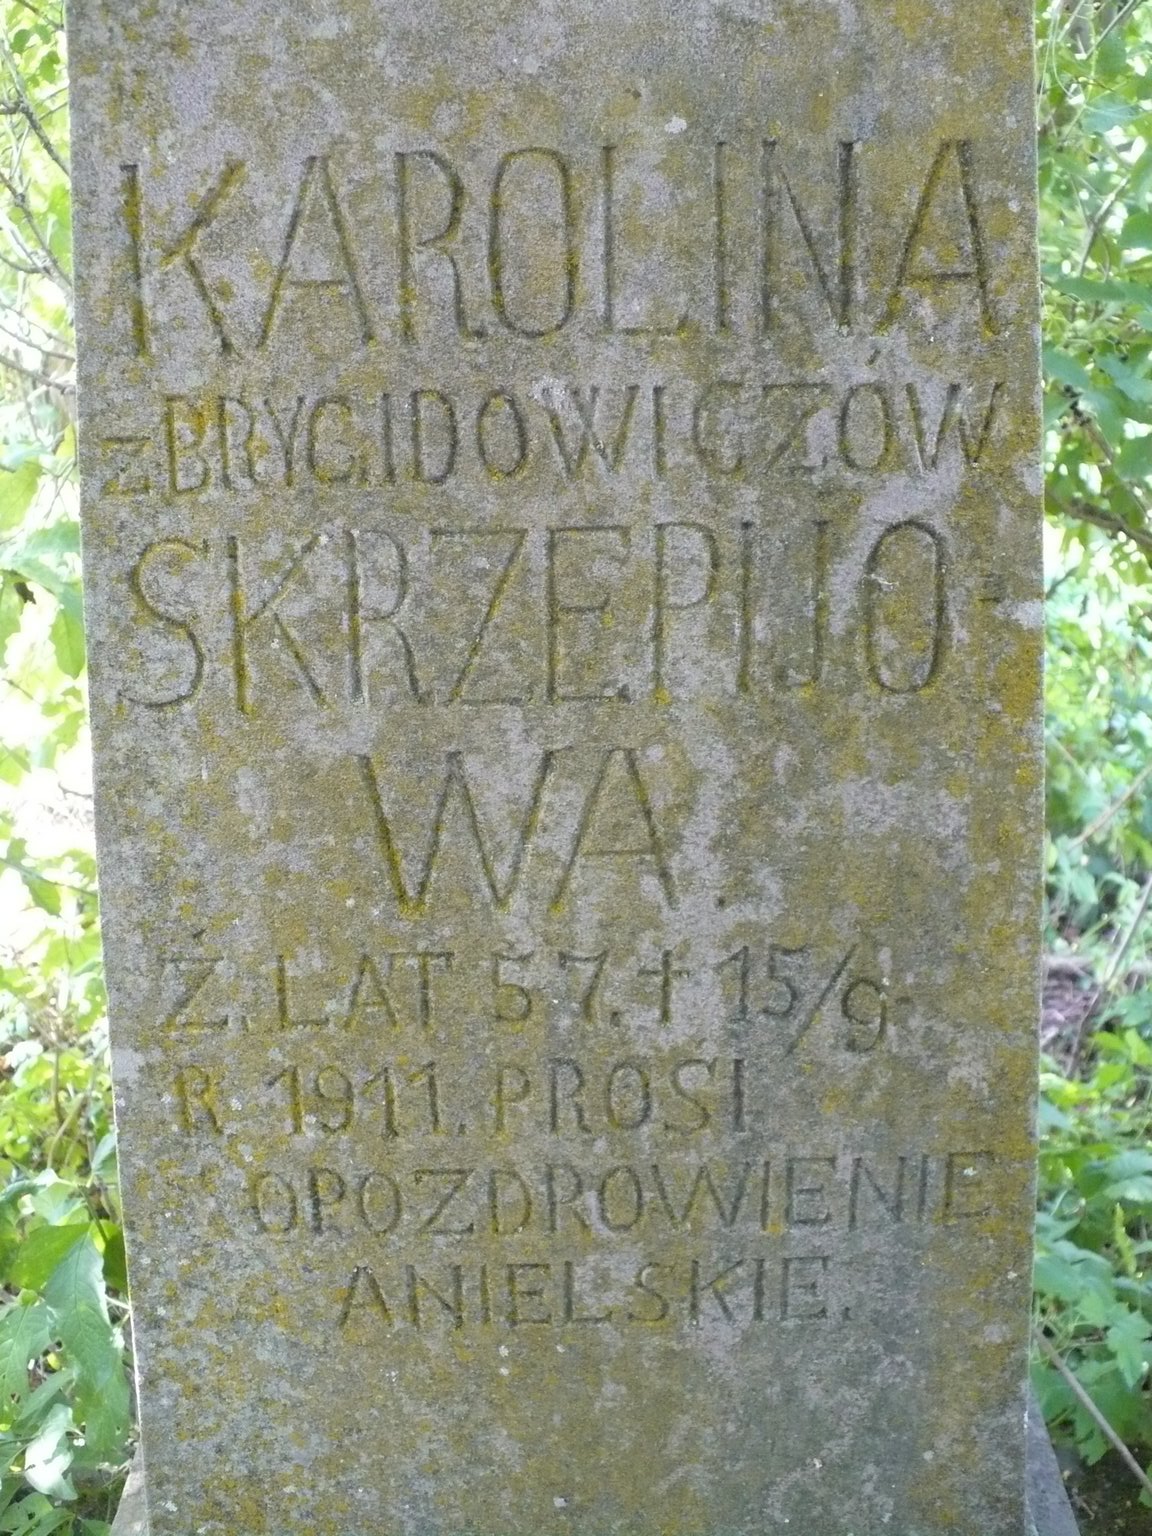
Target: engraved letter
{"type": "Point", "coordinates": [182, 549]}
{"type": "Point", "coordinates": [945, 247]}
{"type": "Point", "coordinates": [905, 607]}
{"type": "Point", "coordinates": [243, 621]}
{"type": "Point", "coordinates": [708, 565]}
{"type": "Point", "coordinates": [183, 249]}
{"type": "Point", "coordinates": [412, 900]}
{"type": "Point", "coordinates": [348, 283]}
{"type": "Point", "coordinates": [530, 242]}
{"type": "Point", "coordinates": [837, 280]}
{"type": "Point", "coordinates": [436, 241]}
{"type": "Point", "coordinates": [630, 817]}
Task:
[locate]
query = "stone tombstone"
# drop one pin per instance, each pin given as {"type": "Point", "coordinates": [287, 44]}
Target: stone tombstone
{"type": "Point", "coordinates": [562, 545]}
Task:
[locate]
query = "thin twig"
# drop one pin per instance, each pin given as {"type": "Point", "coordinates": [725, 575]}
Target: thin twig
{"type": "Point", "coordinates": [52, 21]}
{"type": "Point", "coordinates": [1099, 220]}
{"type": "Point", "coordinates": [46, 381]}
{"type": "Point", "coordinates": [34, 346]}
{"type": "Point", "coordinates": [79, 1104]}
{"type": "Point", "coordinates": [1117, 20]}
{"type": "Point", "coordinates": [1086, 1402]}
{"type": "Point", "coordinates": [1110, 974]}
{"type": "Point", "coordinates": [25, 110]}
{"type": "Point", "coordinates": [39, 270]}
{"type": "Point", "coordinates": [1083, 513]}
{"type": "Point", "coordinates": [1110, 811]}
{"type": "Point", "coordinates": [25, 107]}
{"type": "Point", "coordinates": [1094, 434]}
{"type": "Point", "coordinates": [1083, 965]}
{"type": "Point", "coordinates": [27, 319]}
{"type": "Point", "coordinates": [20, 201]}
{"type": "Point", "coordinates": [1060, 747]}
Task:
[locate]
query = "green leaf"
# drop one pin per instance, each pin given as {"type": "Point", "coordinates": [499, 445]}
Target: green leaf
{"type": "Point", "coordinates": [77, 1282]}
{"type": "Point", "coordinates": [14, 763]}
{"type": "Point", "coordinates": [100, 1398]}
{"type": "Point", "coordinates": [1137, 231]}
{"type": "Point", "coordinates": [17, 488]}
{"type": "Point", "coordinates": [1137, 386]}
{"type": "Point", "coordinates": [46, 557]}
{"type": "Point", "coordinates": [1060, 365]}
{"type": "Point", "coordinates": [1100, 290]}
{"type": "Point", "coordinates": [1110, 112]}
{"type": "Point", "coordinates": [1111, 55]}
{"type": "Point", "coordinates": [1134, 461]}
{"type": "Point", "coordinates": [55, 543]}
{"type": "Point", "coordinates": [12, 604]}
{"type": "Point", "coordinates": [35, 1516]}
{"type": "Point", "coordinates": [42, 1250]}
{"type": "Point", "coordinates": [75, 1295]}
{"type": "Point", "coordinates": [25, 1333]}
{"type": "Point", "coordinates": [68, 642]}
{"type": "Point", "coordinates": [116, 1263]}
{"type": "Point", "coordinates": [60, 222]}
{"type": "Point", "coordinates": [45, 893]}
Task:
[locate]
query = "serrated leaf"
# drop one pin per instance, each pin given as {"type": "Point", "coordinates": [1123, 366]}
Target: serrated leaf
{"type": "Point", "coordinates": [25, 1332]}
{"type": "Point", "coordinates": [75, 1296]}
{"type": "Point", "coordinates": [77, 1282]}
{"type": "Point", "coordinates": [34, 1516]}
{"type": "Point", "coordinates": [1054, 1276]}
{"type": "Point", "coordinates": [100, 1396]}
{"type": "Point", "coordinates": [42, 1250]}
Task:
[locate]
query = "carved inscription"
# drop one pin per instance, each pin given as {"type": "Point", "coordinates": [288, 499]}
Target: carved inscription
{"type": "Point", "coordinates": [787, 995]}
{"type": "Point", "coordinates": [795, 1193]}
{"type": "Point", "coordinates": [736, 1291]}
{"type": "Point", "coordinates": [469, 553]}
{"type": "Point", "coordinates": [558, 432]}
{"type": "Point", "coordinates": [541, 241]}
{"type": "Point", "coordinates": [608, 613]}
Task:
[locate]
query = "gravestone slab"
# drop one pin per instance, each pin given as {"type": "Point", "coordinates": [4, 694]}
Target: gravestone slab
{"type": "Point", "coordinates": [561, 533]}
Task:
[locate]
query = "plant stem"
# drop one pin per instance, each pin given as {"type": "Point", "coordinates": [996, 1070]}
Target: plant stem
{"type": "Point", "coordinates": [1086, 1402]}
{"type": "Point", "coordinates": [1110, 974]}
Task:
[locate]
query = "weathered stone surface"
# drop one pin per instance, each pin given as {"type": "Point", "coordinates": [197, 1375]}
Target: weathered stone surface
{"type": "Point", "coordinates": [561, 534]}
{"type": "Point", "coordinates": [1049, 1509]}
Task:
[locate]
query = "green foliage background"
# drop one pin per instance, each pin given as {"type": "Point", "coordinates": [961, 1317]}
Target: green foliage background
{"type": "Point", "coordinates": [65, 1405]}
